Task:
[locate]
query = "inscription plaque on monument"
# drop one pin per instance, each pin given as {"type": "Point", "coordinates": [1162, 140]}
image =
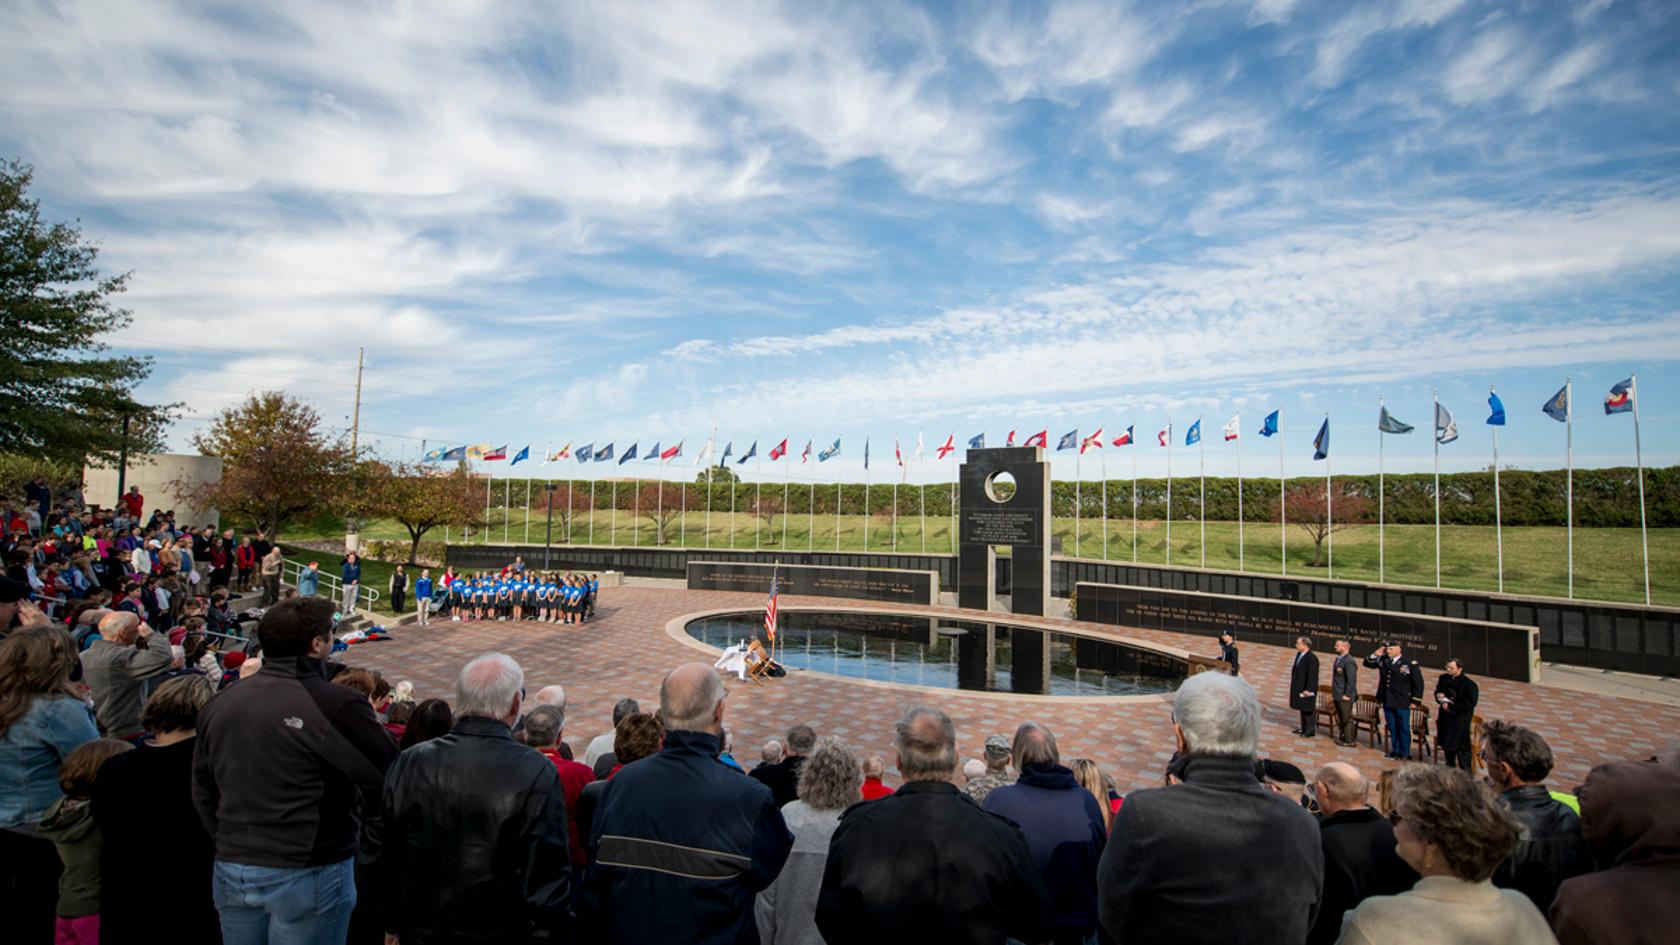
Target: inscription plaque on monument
{"type": "Point", "coordinates": [1002, 527]}
{"type": "Point", "coordinates": [883, 584]}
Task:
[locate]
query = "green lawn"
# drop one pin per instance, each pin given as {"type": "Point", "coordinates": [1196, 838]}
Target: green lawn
{"type": "Point", "coordinates": [1606, 559]}
{"type": "Point", "coordinates": [375, 574]}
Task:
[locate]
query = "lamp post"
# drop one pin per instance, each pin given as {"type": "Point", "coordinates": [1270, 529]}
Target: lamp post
{"type": "Point", "coordinates": [548, 530]}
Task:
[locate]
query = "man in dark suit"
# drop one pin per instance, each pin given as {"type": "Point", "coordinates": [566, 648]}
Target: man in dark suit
{"type": "Point", "coordinates": [1228, 651]}
{"type": "Point", "coordinates": [1457, 695]}
{"type": "Point", "coordinates": [1303, 687]}
{"type": "Point", "coordinates": [1399, 684]}
{"type": "Point", "coordinates": [1344, 690]}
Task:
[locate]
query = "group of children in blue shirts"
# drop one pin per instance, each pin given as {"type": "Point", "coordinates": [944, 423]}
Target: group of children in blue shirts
{"type": "Point", "coordinates": [521, 595]}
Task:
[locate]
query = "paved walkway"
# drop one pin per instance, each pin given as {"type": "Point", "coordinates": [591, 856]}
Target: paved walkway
{"type": "Point", "coordinates": [625, 651]}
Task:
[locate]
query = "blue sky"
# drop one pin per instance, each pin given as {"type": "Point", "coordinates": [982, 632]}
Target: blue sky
{"type": "Point", "coordinates": [630, 222]}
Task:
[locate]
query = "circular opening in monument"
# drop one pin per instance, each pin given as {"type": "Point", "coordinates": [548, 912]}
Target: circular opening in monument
{"type": "Point", "coordinates": [1000, 487]}
{"type": "Point", "coordinates": [916, 650]}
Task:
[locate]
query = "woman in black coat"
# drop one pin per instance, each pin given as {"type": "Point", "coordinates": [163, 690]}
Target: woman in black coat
{"type": "Point", "coordinates": [1457, 695]}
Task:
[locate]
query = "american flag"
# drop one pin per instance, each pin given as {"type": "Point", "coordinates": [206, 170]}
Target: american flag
{"type": "Point", "coordinates": [770, 610]}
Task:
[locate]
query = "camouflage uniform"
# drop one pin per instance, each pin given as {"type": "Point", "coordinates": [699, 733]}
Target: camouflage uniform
{"type": "Point", "coordinates": [986, 783]}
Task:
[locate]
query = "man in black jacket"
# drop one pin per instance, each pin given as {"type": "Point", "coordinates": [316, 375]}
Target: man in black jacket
{"type": "Point", "coordinates": [1303, 687]}
{"type": "Point", "coordinates": [461, 856]}
{"type": "Point", "coordinates": [1399, 684]}
{"type": "Point", "coordinates": [1359, 856]}
{"type": "Point", "coordinates": [1550, 845]}
{"type": "Point", "coordinates": [280, 765]}
{"type": "Point", "coordinates": [1457, 695]}
{"type": "Point", "coordinates": [681, 843]}
{"type": "Point", "coordinates": [1156, 881]}
{"type": "Point", "coordinates": [1228, 652]}
{"type": "Point", "coordinates": [925, 863]}
{"type": "Point", "coordinates": [782, 778]}
{"type": "Point", "coordinates": [1344, 691]}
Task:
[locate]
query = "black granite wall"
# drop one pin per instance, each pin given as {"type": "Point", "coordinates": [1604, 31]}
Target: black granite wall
{"type": "Point", "coordinates": [899, 587]}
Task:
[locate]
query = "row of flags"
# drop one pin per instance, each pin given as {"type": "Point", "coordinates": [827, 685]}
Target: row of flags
{"type": "Point", "coordinates": [1558, 407]}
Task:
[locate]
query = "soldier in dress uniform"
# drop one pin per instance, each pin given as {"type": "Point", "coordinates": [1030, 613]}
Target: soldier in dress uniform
{"type": "Point", "coordinates": [1399, 684]}
{"type": "Point", "coordinates": [1456, 694]}
{"type": "Point", "coordinates": [1228, 651]}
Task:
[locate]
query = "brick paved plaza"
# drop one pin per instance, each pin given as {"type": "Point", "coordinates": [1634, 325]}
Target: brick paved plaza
{"type": "Point", "coordinates": [626, 650]}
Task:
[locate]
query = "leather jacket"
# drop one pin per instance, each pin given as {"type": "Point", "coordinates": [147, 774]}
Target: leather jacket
{"type": "Point", "coordinates": [471, 843]}
{"type": "Point", "coordinates": [1550, 847]}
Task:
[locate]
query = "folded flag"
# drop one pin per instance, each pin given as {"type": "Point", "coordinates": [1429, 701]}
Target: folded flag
{"type": "Point", "coordinates": [749, 454]}
{"type": "Point", "coordinates": [1271, 426]}
{"type": "Point", "coordinates": [1094, 439]}
{"type": "Point", "coordinates": [455, 455]}
{"type": "Point", "coordinates": [1231, 428]}
{"type": "Point", "coordinates": [499, 453]}
{"type": "Point", "coordinates": [521, 456]}
{"type": "Point", "coordinates": [947, 448]}
{"type": "Point", "coordinates": [604, 453]}
{"type": "Point", "coordinates": [1446, 428]}
{"type": "Point", "coordinates": [777, 451]}
{"type": "Point", "coordinates": [1069, 440]}
{"type": "Point", "coordinates": [829, 453]}
{"type": "Point", "coordinates": [805, 455]}
{"type": "Point", "coordinates": [1387, 424]}
{"type": "Point", "coordinates": [1125, 439]}
{"type": "Point", "coordinates": [629, 454]}
{"type": "Point", "coordinates": [1496, 410]}
{"type": "Point", "coordinates": [651, 454]}
{"type": "Point", "coordinates": [1193, 435]}
{"type": "Point", "coordinates": [1558, 406]}
{"type": "Point", "coordinates": [585, 453]}
{"type": "Point", "coordinates": [671, 453]}
{"type": "Point", "coordinates": [1041, 438]}
{"type": "Point", "coordinates": [433, 456]}
{"type": "Point", "coordinates": [1321, 442]}
{"type": "Point", "coordinates": [1620, 398]}
{"type": "Point", "coordinates": [977, 441]}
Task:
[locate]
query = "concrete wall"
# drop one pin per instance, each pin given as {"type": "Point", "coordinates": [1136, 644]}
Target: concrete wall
{"type": "Point", "coordinates": [158, 476]}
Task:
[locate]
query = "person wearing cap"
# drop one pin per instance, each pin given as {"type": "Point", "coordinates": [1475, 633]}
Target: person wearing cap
{"type": "Point", "coordinates": [309, 580]}
{"type": "Point", "coordinates": [12, 594]}
{"type": "Point", "coordinates": [1399, 685]}
{"type": "Point", "coordinates": [1228, 652]}
{"type": "Point", "coordinates": [998, 753]}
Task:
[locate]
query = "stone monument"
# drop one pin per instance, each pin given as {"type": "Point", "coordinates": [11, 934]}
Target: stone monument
{"type": "Point", "coordinates": [990, 513]}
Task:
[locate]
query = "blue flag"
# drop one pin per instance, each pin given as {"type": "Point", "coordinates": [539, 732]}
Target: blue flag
{"type": "Point", "coordinates": [749, 454]}
{"type": "Point", "coordinates": [977, 442]}
{"type": "Point", "coordinates": [829, 453]}
{"type": "Point", "coordinates": [584, 452]}
{"type": "Point", "coordinates": [1620, 398]}
{"type": "Point", "coordinates": [1558, 407]}
{"type": "Point", "coordinates": [653, 453]}
{"type": "Point", "coordinates": [604, 453]}
{"type": "Point", "coordinates": [523, 454]}
{"type": "Point", "coordinates": [1069, 440]}
{"type": "Point", "coordinates": [728, 448]}
{"type": "Point", "coordinates": [1321, 442]}
{"type": "Point", "coordinates": [455, 455]}
{"type": "Point", "coordinates": [1387, 424]}
{"type": "Point", "coordinates": [1193, 435]}
{"type": "Point", "coordinates": [629, 455]}
{"type": "Point", "coordinates": [433, 456]}
{"type": "Point", "coordinates": [1271, 424]}
{"type": "Point", "coordinates": [1496, 410]}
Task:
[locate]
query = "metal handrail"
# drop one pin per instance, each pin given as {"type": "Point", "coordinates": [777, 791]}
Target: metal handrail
{"type": "Point", "coordinates": [292, 569]}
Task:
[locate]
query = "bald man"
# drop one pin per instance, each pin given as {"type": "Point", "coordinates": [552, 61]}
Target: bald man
{"type": "Point", "coordinates": [116, 668]}
{"type": "Point", "coordinates": [1358, 841]}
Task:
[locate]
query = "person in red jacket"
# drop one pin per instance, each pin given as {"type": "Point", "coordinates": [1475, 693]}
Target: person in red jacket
{"type": "Point", "coordinates": [873, 769]}
{"type": "Point", "coordinates": [134, 503]}
{"type": "Point", "coordinates": [245, 559]}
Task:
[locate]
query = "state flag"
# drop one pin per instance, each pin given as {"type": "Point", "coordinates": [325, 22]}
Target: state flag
{"type": "Point", "coordinates": [629, 454]}
{"type": "Point", "coordinates": [1271, 426]}
{"type": "Point", "coordinates": [1620, 398]}
{"type": "Point", "coordinates": [947, 448]}
{"type": "Point", "coordinates": [829, 453]}
{"type": "Point", "coordinates": [805, 455]}
{"type": "Point", "coordinates": [585, 453]}
{"type": "Point", "coordinates": [1011, 440]}
{"type": "Point", "coordinates": [1446, 428]}
{"type": "Point", "coordinates": [749, 454]}
{"type": "Point", "coordinates": [1041, 438]}
{"type": "Point", "coordinates": [1387, 424]}
{"type": "Point", "coordinates": [455, 455]}
{"type": "Point", "coordinates": [1321, 442]}
{"type": "Point", "coordinates": [1194, 434]}
{"type": "Point", "coordinates": [499, 453]}
{"type": "Point", "coordinates": [671, 453]}
{"type": "Point", "coordinates": [1125, 439]}
{"type": "Point", "coordinates": [777, 451]}
{"type": "Point", "coordinates": [1231, 428]}
{"type": "Point", "coordinates": [433, 456]}
{"type": "Point", "coordinates": [652, 454]}
{"type": "Point", "coordinates": [1068, 440]}
{"type": "Point", "coordinates": [977, 441]}
{"type": "Point", "coordinates": [604, 453]}
{"type": "Point", "coordinates": [1558, 406]}
{"type": "Point", "coordinates": [1162, 436]}
{"type": "Point", "coordinates": [1094, 439]}
{"type": "Point", "coordinates": [1496, 410]}
{"type": "Point", "coordinates": [522, 455]}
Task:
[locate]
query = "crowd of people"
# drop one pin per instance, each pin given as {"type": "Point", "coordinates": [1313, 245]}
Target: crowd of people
{"type": "Point", "coordinates": [274, 793]}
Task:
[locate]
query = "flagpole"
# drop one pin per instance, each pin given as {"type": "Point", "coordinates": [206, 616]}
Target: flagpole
{"type": "Point", "coordinates": [1436, 396]}
{"type": "Point", "coordinates": [898, 457]}
{"type": "Point", "coordinates": [1569, 476]}
{"type": "Point", "coordinates": [1329, 511]}
{"type": "Point", "coordinates": [811, 503]}
{"type": "Point", "coordinates": [1639, 462]}
{"type": "Point", "coordinates": [1102, 470]}
{"type": "Point", "coordinates": [570, 511]}
{"type": "Point", "coordinates": [1283, 500]}
{"type": "Point", "coordinates": [733, 482]}
{"type": "Point", "coordinates": [592, 479]}
{"type": "Point", "coordinates": [1201, 472]}
{"type": "Point", "coordinates": [839, 500]}
{"type": "Point", "coordinates": [507, 507]}
{"type": "Point", "coordinates": [489, 478]}
{"type": "Point", "coordinates": [865, 493]}
{"type": "Point", "coordinates": [1239, 495]}
{"type": "Point", "coordinates": [758, 478]}
{"type": "Point", "coordinates": [787, 480]}
{"type": "Point", "coordinates": [682, 511]}
{"type": "Point", "coordinates": [1381, 493]}
{"type": "Point", "coordinates": [708, 518]}
{"type": "Point", "coordinates": [921, 499]}
{"type": "Point", "coordinates": [1133, 445]}
{"type": "Point", "coordinates": [956, 465]}
{"type": "Point", "coordinates": [659, 502]}
{"type": "Point", "coordinates": [613, 519]}
{"type": "Point", "coordinates": [1169, 487]}
{"type": "Point", "coordinates": [527, 510]}
{"type": "Point", "coordinates": [1078, 482]}
{"type": "Point", "coordinates": [1498, 516]}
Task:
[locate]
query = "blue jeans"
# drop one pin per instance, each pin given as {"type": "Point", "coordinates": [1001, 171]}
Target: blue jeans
{"type": "Point", "coordinates": [265, 905]}
{"type": "Point", "coordinates": [1399, 722]}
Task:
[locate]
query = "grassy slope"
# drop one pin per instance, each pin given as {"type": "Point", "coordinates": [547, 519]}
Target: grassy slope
{"type": "Point", "coordinates": [1606, 559]}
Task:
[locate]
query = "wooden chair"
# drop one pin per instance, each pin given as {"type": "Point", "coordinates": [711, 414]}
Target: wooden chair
{"type": "Point", "coordinates": [1326, 708]}
{"type": "Point", "coordinates": [758, 662]}
{"type": "Point", "coordinates": [1367, 717]}
{"type": "Point", "coordinates": [1420, 733]}
{"type": "Point", "coordinates": [1475, 743]}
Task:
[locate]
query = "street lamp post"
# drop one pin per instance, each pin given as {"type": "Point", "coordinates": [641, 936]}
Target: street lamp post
{"type": "Point", "coordinates": [548, 530]}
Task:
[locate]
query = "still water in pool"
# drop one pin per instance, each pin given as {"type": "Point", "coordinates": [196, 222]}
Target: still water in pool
{"type": "Point", "coordinates": [925, 651]}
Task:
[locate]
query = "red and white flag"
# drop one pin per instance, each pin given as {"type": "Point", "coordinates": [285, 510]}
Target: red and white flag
{"type": "Point", "coordinates": [1011, 440]}
{"type": "Point", "coordinates": [770, 609]}
{"type": "Point", "coordinates": [1124, 439]}
{"type": "Point", "coordinates": [1162, 436]}
{"type": "Point", "coordinates": [778, 451]}
{"type": "Point", "coordinates": [1094, 439]}
{"type": "Point", "coordinates": [1231, 428]}
{"type": "Point", "coordinates": [805, 456]}
{"type": "Point", "coordinates": [946, 449]}
{"type": "Point", "coordinates": [1041, 438]}
{"type": "Point", "coordinates": [672, 453]}
{"type": "Point", "coordinates": [897, 453]}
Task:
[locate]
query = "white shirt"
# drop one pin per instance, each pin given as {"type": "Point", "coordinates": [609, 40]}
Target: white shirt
{"type": "Point", "coordinates": [600, 745]}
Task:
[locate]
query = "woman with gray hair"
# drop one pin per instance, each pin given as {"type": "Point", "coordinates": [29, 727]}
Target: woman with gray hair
{"type": "Point", "coordinates": [829, 782]}
{"type": "Point", "coordinates": [1448, 827]}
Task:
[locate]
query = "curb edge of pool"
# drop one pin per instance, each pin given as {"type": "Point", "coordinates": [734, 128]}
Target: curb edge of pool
{"type": "Point", "coordinates": [677, 629]}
